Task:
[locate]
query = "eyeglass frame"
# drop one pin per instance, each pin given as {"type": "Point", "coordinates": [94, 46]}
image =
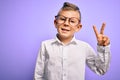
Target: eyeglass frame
{"type": "Point", "coordinates": [69, 19]}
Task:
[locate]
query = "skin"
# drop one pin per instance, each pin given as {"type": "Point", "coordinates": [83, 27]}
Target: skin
{"type": "Point", "coordinates": [102, 39]}
{"type": "Point", "coordinates": [66, 31]}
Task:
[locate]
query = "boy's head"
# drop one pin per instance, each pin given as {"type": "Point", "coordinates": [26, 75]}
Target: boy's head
{"type": "Point", "coordinates": [68, 20]}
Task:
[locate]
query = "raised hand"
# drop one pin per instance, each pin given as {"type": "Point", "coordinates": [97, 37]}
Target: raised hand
{"type": "Point", "coordinates": [102, 39]}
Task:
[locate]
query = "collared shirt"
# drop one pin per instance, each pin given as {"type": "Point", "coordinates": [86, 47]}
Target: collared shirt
{"type": "Point", "coordinates": [57, 61]}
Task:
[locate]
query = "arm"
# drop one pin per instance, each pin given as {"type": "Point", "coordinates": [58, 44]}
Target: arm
{"type": "Point", "coordinates": [99, 63]}
{"type": "Point", "coordinates": [39, 68]}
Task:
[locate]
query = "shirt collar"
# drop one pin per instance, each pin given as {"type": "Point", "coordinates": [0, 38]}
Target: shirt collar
{"type": "Point", "coordinates": [73, 41]}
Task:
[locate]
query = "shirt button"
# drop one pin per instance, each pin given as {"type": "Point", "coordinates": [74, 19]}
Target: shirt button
{"type": "Point", "coordinates": [64, 74]}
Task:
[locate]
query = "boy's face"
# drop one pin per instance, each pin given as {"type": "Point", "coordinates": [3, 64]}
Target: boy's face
{"type": "Point", "coordinates": [67, 23]}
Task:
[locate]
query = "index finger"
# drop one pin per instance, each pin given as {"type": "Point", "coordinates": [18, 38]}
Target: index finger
{"type": "Point", "coordinates": [95, 30]}
{"type": "Point", "coordinates": [102, 28]}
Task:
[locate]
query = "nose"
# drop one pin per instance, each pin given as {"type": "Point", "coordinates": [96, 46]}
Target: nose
{"type": "Point", "coordinates": [66, 22]}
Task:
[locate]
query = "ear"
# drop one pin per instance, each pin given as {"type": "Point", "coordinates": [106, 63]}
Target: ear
{"type": "Point", "coordinates": [78, 27]}
{"type": "Point", "coordinates": [55, 23]}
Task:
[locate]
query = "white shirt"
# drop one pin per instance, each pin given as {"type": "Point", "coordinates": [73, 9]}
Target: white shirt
{"type": "Point", "coordinates": [57, 61]}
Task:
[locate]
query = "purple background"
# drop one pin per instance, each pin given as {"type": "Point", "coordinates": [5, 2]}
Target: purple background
{"type": "Point", "coordinates": [25, 23]}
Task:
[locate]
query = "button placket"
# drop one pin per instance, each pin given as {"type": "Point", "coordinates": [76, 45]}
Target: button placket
{"type": "Point", "coordinates": [64, 58]}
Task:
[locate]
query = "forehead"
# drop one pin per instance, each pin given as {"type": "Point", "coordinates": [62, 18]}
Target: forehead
{"type": "Point", "coordinates": [69, 13]}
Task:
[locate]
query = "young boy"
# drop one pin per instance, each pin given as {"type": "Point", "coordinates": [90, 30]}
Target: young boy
{"type": "Point", "coordinates": [64, 57]}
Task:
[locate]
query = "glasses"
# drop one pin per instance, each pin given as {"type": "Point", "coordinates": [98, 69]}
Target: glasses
{"type": "Point", "coordinates": [72, 21]}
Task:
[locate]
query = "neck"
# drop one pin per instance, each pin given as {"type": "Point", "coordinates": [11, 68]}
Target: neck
{"type": "Point", "coordinates": [65, 40]}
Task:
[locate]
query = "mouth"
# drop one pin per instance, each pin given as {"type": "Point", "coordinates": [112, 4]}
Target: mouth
{"type": "Point", "coordinates": [64, 29]}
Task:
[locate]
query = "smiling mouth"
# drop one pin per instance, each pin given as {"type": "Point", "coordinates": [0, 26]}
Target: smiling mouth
{"type": "Point", "coordinates": [65, 29]}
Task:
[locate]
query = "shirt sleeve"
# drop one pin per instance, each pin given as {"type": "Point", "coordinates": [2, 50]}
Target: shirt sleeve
{"type": "Point", "coordinates": [99, 63]}
{"type": "Point", "coordinates": [39, 68]}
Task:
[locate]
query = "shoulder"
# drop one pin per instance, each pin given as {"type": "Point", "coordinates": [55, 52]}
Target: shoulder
{"type": "Point", "coordinates": [47, 42]}
{"type": "Point", "coordinates": [86, 46]}
{"type": "Point", "coordinates": [83, 43]}
{"type": "Point", "coordinates": [80, 42]}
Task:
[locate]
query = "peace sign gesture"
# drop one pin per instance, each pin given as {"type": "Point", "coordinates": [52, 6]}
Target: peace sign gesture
{"type": "Point", "coordinates": [102, 39]}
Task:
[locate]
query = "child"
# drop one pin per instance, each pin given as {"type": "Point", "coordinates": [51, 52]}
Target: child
{"type": "Point", "coordinates": [64, 57]}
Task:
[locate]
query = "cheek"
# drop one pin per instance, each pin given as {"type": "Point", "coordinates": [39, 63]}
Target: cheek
{"type": "Point", "coordinates": [73, 29]}
{"type": "Point", "coordinates": [58, 28]}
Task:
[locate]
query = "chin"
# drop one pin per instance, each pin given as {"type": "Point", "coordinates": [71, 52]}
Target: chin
{"type": "Point", "coordinates": [65, 36]}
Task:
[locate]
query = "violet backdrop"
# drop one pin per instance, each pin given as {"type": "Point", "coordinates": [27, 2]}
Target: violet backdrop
{"type": "Point", "coordinates": [25, 23]}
